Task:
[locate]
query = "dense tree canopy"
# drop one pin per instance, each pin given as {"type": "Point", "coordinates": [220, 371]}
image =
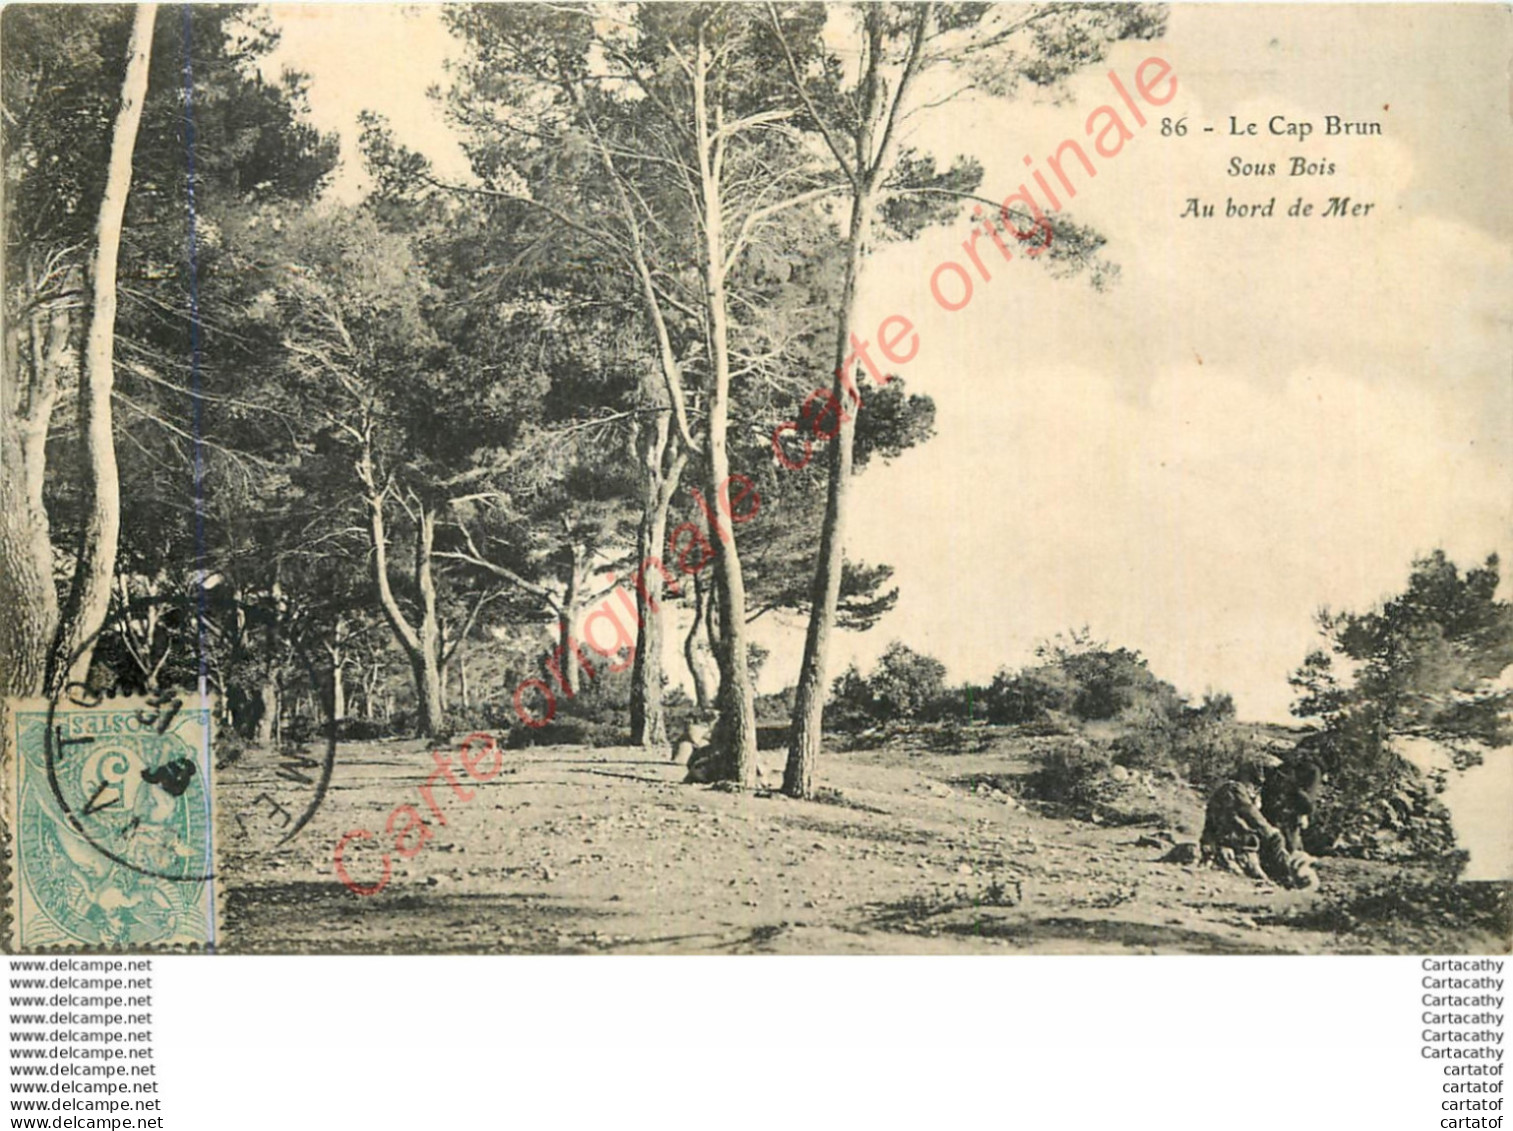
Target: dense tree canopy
{"type": "Point", "coordinates": [377, 441]}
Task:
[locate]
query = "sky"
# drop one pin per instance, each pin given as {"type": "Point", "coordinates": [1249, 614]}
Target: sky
{"type": "Point", "coordinates": [1260, 418]}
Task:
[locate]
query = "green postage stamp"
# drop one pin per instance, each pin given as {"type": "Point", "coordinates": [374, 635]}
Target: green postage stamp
{"type": "Point", "coordinates": [109, 808]}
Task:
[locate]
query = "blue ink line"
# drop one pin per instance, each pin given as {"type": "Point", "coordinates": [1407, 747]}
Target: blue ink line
{"type": "Point", "coordinates": [197, 402]}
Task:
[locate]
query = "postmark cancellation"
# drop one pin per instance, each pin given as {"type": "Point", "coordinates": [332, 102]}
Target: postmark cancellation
{"type": "Point", "coordinates": [108, 803]}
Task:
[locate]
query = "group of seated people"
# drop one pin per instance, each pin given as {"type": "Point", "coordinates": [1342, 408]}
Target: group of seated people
{"type": "Point", "coordinates": [1255, 822]}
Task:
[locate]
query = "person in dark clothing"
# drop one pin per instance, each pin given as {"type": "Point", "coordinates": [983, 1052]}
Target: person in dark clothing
{"type": "Point", "coordinates": [1235, 830]}
{"type": "Point", "coordinates": [1289, 797]}
{"type": "Point", "coordinates": [1237, 835]}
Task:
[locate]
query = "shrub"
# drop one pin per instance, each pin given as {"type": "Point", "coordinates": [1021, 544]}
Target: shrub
{"type": "Point", "coordinates": [566, 732]}
{"type": "Point", "coordinates": [360, 730]}
{"type": "Point", "coordinates": [1417, 913]}
{"type": "Point", "coordinates": [1028, 696]}
{"type": "Point", "coordinates": [776, 707]}
{"type": "Point", "coordinates": [1084, 678]}
{"type": "Point", "coordinates": [1073, 773]}
{"type": "Point", "coordinates": [403, 723]}
{"type": "Point", "coordinates": [1145, 749]}
{"type": "Point", "coordinates": [1209, 751]}
{"type": "Point", "coordinates": [952, 737]}
{"type": "Point", "coordinates": [905, 686]}
{"type": "Point", "coordinates": [850, 705]}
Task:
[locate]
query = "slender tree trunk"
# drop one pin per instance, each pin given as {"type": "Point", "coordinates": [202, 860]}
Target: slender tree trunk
{"type": "Point", "coordinates": [567, 659]}
{"type": "Point", "coordinates": [705, 683]}
{"type": "Point", "coordinates": [221, 710]}
{"type": "Point", "coordinates": [337, 652]}
{"type": "Point", "coordinates": [648, 719]}
{"type": "Point", "coordinates": [370, 692]}
{"type": "Point", "coordinates": [28, 394]}
{"type": "Point", "coordinates": [809, 702]}
{"type": "Point", "coordinates": [266, 730]}
{"type": "Point", "coordinates": [429, 709]}
{"type": "Point", "coordinates": [712, 632]}
{"type": "Point", "coordinates": [875, 139]}
{"type": "Point", "coordinates": [421, 644]}
{"type": "Point", "coordinates": [428, 662]}
{"type": "Point", "coordinates": [89, 597]}
{"type": "Point", "coordinates": [338, 694]}
{"type": "Point", "coordinates": [736, 728]}
{"type": "Point", "coordinates": [462, 681]}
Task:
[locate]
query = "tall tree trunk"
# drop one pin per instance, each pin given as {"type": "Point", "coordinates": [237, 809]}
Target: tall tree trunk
{"type": "Point", "coordinates": [89, 596]}
{"type": "Point", "coordinates": [809, 702]}
{"type": "Point", "coordinates": [648, 719]}
{"type": "Point", "coordinates": [429, 709]}
{"type": "Point", "coordinates": [736, 728]}
{"type": "Point", "coordinates": [659, 480]}
{"type": "Point", "coordinates": [568, 664]}
{"type": "Point", "coordinates": [462, 682]}
{"type": "Point", "coordinates": [875, 138]}
{"type": "Point", "coordinates": [266, 730]}
{"type": "Point", "coordinates": [428, 662]}
{"type": "Point", "coordinates": [706, 684]}
{"type": "Point", "coordinates": [336, 650]}
{"type": "Point", "coordinates": [421, 644]}
{"type": "Point", "coordinates": [28, 394]}
{"type": "Point", "coordinates": [338, 693]}
{"type": "Point", "coordinates": [370, 691]}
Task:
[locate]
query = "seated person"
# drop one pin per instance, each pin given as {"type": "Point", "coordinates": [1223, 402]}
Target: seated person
{"type": "Point", "coordinates": [1238, 837]}
{"type": "Point", "coordinates": [1288, 799]}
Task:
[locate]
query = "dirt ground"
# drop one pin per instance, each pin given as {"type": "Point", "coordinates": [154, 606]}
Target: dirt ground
{"type": "Point", "coordinates": [582, 850]}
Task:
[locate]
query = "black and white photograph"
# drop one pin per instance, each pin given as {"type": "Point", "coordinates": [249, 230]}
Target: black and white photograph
{"type": "Point", "coordinates": [757, 478]}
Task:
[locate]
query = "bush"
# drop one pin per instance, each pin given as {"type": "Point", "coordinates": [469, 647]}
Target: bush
{"type": "Point", "coordinates": [360, 730]}
{"type": "Point", "coordinates": [1073, 773]}
{"type": "Point", "coordinates": [777, 707]}
{"type": "Point", "coordinates": [1419, 914]}
{"type": "Point", "coordinates": [1111, 683]}
{"type": "Point", "coordinates": [1425, 663]}
{"type": "Point", "coordinates": [952, 737]}
{"type": "Point", "coordinates": [905, 686]}
{"type": "Point", "coordinates": [566, 732]}
{"type": "Point", "coordinates": [1086, 679]}
{"type": "Point", "coordinates": [1148, 749]}
{"type": "Point", "coordinates": [1405, 821]}
{"type": "Point", "coordinates": [403, 724]}
{"type": "Point", "coordinates": [1208, 751]}
{"type": "Point", "coordinates": [850, 705]}
{"type": "Point", "coordinates": [1030, 696]}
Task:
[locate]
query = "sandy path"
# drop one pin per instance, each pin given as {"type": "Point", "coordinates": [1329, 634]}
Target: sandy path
{"type": "Point", "coordinates": [575, 850]}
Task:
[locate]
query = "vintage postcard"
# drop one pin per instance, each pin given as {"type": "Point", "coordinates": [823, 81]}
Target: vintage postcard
{"type": "Point", "coordinates": [717, 478]}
